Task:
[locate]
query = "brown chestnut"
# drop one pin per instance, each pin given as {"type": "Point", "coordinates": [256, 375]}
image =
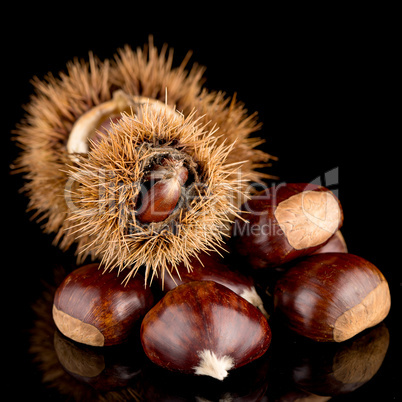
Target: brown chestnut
{"type": "Point", "coordinates": [94, 307]}
{"type": "Point", "coordinates": [332, 296]}
{"type": "Point", "coordinates": [286, 222]}
{"type": "Point", "coordinates": [336, 244]}
{"type": "Point", "coordinates": [204, 328]}
{"type": "Point", "coordinates": [212, 267]}
{"type": "Point", "coordinates": [161, 199]}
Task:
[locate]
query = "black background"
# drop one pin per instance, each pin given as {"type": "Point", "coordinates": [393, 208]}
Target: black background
{"type": "Point", "coordinates": [322, 81]}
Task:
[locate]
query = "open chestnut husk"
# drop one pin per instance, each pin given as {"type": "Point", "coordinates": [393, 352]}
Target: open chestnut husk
{"type": "Point", "coordinates": [213, 267]}
{"type": "Point", "coordinates": [332, 296]}
{"type": "Point", "coordinates": [95, 308]}
{"type": "Point", "coordinates": [285, 222]}
{"type": "Point", "coordinates": [204, 328]}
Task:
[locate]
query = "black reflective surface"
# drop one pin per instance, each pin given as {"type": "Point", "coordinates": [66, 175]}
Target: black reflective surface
{"type": "Point", "coordinates": [293, 368]}
{"type": "Point", "coordinates": [322, 96]}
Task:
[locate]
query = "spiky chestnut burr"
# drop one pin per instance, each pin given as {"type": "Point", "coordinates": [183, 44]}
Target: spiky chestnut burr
{"type": "Point", "coordinates": [331, 297]}
{"type": "Point", "coordinates": [286, 222]}
{"type": "Point", "coordinates": [146, 89]}
{"type": "Point", "coordinates": [204, 328]}
{"type": "Point", "coordinates": [212, 267]}
{"type": "Point", "coordinates": [159, 165]}
{"type": "Point", "coordinates": [95, 308]}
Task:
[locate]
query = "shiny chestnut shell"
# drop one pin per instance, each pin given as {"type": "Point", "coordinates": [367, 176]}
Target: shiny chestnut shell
{"type": "Point", "coordinates": [285, 222]}
{"type": "Point", "coordinates": [332, 296]}
{"type": "Point", "coordinates": [207, 267]}
{"type": "Point", "coordinates": [204, 328]}
{"type": "Point", "coordinates": [95, 308]}
{"type": "Point", "coordinates": [212, 267]}
{"type": "Point", "coordinates": [336, 244]}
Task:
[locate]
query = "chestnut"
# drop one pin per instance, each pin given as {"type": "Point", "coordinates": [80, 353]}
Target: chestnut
{"type": "Point", "coordinates": [212, 267]}
{"type": "Point", "coordinates": [161, 199]}
{"type": "Point", "coordinates": [332, 296]}
{"type": "Point", "coordinates": [285, 222]}
{"type": "Point", "coordinates": [336, 244]}
{"type": "Point", "coordinates": [204, 328]}
{"type": "Point", "coordinates": [95, 308]}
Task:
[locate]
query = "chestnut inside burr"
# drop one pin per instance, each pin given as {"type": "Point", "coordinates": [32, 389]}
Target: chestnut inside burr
{"type": "Point", "coordinates": [161, 198]}
{"type": "Point", "coordinates": [164, 187]}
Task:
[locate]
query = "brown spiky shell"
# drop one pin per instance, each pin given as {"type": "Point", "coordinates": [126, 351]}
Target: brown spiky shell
{"type": "Point", "coordinates": [89, 201]}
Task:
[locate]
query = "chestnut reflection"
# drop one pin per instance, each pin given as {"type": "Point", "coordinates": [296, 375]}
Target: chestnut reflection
{"type": "Point", "coordinates": [248, 383]}
{"type": "Point", "coordinates": [104, 369]}
{"type": "Point", "coordinates": [298, 395]}
{"type": "Point", "coordinates": [311, 371]}
{"type": "Point", "coordinates": [331, 370]}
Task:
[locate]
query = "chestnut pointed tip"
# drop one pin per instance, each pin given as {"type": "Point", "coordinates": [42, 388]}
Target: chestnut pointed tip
{"type": "Point", "coordinates": [212, 365]}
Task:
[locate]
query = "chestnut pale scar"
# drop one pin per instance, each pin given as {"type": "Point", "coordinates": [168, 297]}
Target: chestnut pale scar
{"type": "Point", "coordinates": [369, 312]}
{"type": "Point", "coordinates": [309, 218]}
{"type": "Point", "coordinates": [77, 330]}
